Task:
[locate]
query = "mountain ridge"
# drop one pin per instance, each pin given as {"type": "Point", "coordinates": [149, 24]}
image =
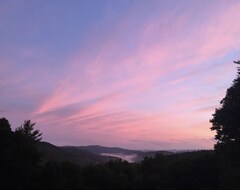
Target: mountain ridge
{"type": "Point", "coordinates": [93, 154]}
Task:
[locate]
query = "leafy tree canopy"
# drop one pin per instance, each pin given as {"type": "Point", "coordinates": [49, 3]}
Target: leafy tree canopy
{"type": "Point", "coordinates": [226, 119]}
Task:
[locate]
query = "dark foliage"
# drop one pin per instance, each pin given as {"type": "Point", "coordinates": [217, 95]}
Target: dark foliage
{"type": "Point", "coordinates": [226, 119]}
{"type": "Point", "coordinates": [21, 168]}
{"type": "Point", "coordinates": [226, 123]}
{"type": "Point", "coordinates": [19, 156]}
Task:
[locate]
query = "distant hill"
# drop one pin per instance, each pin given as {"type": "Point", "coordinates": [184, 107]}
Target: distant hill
{"type": "Point", "coordinates": [96, 149]}
{"type": "Point", "coordinates": [71, 154]}
{"type": "Point", "coordinates": [125, 154]}
{"type": "Point", "coordinates": [93, 154]}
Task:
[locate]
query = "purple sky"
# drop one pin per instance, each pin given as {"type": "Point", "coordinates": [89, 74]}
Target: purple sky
{"type": "Point", "coordinates": [144, 74]}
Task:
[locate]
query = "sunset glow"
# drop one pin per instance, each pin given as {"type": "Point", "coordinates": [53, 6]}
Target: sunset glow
{"type": "Point", "coordinates": [135, 74]}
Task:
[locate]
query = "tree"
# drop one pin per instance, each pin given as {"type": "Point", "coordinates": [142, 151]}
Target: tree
{"type": "Point", "coordinates": [28, 131]}
{"type": "Point", "coordinates": [226, 119]}
{"type": "Point", "coordinates": [226, 123]}
{"type": "Point", "coordinates": [25, 140]}
{"type": "Point", "coordinates": [19, 155]}
{"type": "Point", "coordinates": [6, 143]}
{"type": "Point", "coordinates": [5, 134]}
{"type": "Point", "coordinates": [5, 127]}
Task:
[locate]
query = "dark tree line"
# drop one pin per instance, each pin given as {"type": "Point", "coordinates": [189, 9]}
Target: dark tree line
{"type": "Point", "coordinates": [21, 166]}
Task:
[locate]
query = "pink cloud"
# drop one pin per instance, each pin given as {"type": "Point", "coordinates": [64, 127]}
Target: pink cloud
{"type": "Point", "coordinates": [117, 80]}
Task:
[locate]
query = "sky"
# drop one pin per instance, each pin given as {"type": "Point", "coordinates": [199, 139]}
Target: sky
{"type": "Point", "coordinates": [138, 74]}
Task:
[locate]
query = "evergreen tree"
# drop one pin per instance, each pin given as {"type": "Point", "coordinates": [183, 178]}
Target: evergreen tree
{"type": "Point", "coordinates": [19, 156]}
{"type": "Point", "coordinates": [28, 131]}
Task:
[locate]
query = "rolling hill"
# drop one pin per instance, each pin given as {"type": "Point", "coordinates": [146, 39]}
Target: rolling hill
{"type": "Point", "coordinates": [93, 154]}
{"type": "Point", "coordinates": [71, 154]}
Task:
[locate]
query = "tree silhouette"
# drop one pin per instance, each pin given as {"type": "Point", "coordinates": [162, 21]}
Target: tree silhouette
{"type": "Point", "coordinates": [226, 123]}
{"type": "Point", "coordinates": [226, 119]}
{"type": "Point", "coordinates": [5, 127]}
{"type": "Point", "coordinates": [25, 139]}
{"type": "Point", "coordinates": [6, 143]}
{"type": "Point", "coordinates": [28, 131]}
{"type": "Point", "coordinates": [5, 134]}
{"type": "Point", "coordinates": [19, 156]}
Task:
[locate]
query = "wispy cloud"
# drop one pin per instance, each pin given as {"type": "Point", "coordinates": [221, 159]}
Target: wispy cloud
{"type": "Point", "coordinates": [148, 71]}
